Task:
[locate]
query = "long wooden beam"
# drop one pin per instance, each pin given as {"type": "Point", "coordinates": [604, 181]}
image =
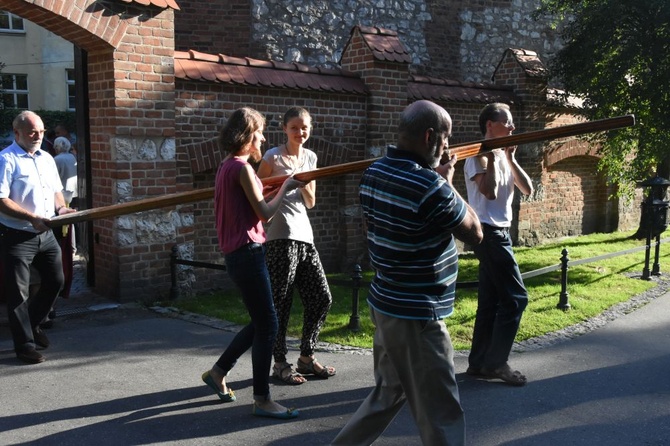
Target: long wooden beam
{"type": "Point", "coordinates": [470, 149]}
{"type": "Point", "coordinates": [463, 150]}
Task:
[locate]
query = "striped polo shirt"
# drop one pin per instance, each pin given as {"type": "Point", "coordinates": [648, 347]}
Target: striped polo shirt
{"type": "Point", "coordinates": [410, 211]}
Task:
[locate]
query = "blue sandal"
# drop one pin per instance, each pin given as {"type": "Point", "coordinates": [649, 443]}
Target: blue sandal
{"type": "Point", "coordinates": [287, 415]}
{"type": "Point", "coordinates": [225, 397]}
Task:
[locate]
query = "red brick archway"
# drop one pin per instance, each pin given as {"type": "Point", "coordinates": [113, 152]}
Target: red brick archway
{"type": "Point", "coordinates": [129, 62]}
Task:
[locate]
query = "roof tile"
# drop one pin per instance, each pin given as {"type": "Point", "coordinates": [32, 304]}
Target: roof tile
{"type": "Point", "coordinates": [163, 4]}
{"type": "Point", "coordinates": [221, 74]}
{"type": "Point", "coordinates": [528, 60]}
{"type": "Point", "coordinates": [443, 90]}
{"type": "Point", "coordinates": [194, 65]}
{"type": "Point", "coordinates": [384, 44]}
{"type": "Point", "coordinates": [207, 72]}
{"type": "Point", "coordinates": [236, 74]}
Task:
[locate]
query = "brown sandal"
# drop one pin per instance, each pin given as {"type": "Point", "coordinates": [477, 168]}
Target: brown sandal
{"type": "Point", "coordinates": [308, 368]}
{"type": "Point", "coordinates": [285, 372]}
{"type": "Point", "coordinates": [505, 373]}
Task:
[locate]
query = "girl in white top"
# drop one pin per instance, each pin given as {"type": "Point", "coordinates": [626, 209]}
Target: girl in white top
{"type": "Point", "coordinates": [292, 259]}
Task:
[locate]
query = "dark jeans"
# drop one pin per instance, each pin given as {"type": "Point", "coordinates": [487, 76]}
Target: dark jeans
{"type": "Point", "coordinates": [20, 249]}
{"type": "Point", "coordinates": [246, 267]}
{"type": "Point", "coordinates": [501, 301]}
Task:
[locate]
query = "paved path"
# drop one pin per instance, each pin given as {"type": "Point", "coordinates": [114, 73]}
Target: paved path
{"type": "Point", "coordinates": [130, 376]}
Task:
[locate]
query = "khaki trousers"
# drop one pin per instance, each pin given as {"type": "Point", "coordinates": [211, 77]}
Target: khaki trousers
{"type": "Point", "coordinates": [413, 362]}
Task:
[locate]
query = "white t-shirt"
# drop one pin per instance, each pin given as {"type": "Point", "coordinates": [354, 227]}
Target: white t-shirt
{"type": "Point", "coordinates": [496, 212]}
{"type": "Point", "coordinates": [291, 220]}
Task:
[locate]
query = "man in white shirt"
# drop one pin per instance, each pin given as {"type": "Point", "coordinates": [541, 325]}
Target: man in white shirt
{"type": "Point", "coordinates": [30, 194]}
{"type": "Point", "coordinates": [502, 297]}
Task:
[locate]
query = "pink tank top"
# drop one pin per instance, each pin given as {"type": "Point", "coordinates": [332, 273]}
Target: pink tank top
{"type": "Point", "coordinates": [236, 222]}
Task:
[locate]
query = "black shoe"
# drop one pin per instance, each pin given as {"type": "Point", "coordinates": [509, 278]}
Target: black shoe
{"type": "Point", "coordinates": [47, 324]}
{"type": "Point", "coordinates": [30, 356]}
{"type": "Point", "coordinates": [40, 338]}
{"type": "Point", "coordinates": [474, 371]}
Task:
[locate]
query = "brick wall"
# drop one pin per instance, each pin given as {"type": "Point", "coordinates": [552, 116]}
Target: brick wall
{"type": "Point", "coordinates": [131, 113]}
{"type": "Point", "coordinates": [574, 201]}
{"type": "Point", "coordinates": [338, 136]}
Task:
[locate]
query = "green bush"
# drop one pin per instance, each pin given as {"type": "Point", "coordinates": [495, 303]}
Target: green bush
{"type": "Point", "coordinates": [50, 118]}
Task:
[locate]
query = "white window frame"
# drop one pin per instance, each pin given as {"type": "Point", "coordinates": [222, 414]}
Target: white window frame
{"type": "Point", "coordinates": [11, 18]}
{"type": "Point", "coordinates": [15, 92]}
{"type": "Point", "coordinates": [69, 88]}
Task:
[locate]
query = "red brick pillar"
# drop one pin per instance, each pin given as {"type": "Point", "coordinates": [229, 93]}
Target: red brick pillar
{"type": "Point", "coordinates": [383, 63]}
{"type": "Point", "coordinates": [525, 72]}
{"type": "Point", "coordinates": [132, 122]}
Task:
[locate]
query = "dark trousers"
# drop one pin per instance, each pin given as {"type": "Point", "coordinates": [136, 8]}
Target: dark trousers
{"type": "Point", "coordinates": [20, 250]}
{"type": "Point", "coordinates": [501, 300]}
{"type": "Point", "coordinates": [247, 269]}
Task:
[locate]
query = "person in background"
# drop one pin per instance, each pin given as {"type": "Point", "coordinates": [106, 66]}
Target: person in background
{"type": "Point", "coordinates": [412, 214]}
{"type": "Point", "coordinates": [292, 258]}
{"type": "Point", "coordinates": [67, 171]}
{"type": "Point", "coordinates": [30, 194]}
{"type": "Point", "coordinates": [240, 211]}
{"type": "Point", "coordinates": [61, 130]}
{"type": "Point", "coordinates": [67, 168]}
{"type": "Point", "coordinates": [502, 297]}
{"type": "Point", "coordinates": [48, 142]}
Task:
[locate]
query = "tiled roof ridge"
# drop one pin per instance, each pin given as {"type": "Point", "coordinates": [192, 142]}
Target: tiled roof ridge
{"type": "Point", "coordinates": [455, 83]}
{"type": "Point", "coordinates": [377, 30]}
{"type": "Point", "coordinates": [528, 60]}
{"type": "Point", "coordinates": [440, 90]}
{"type": "Point", "coordinates": [259, 63]}
{"type": "Point", "coordinates": [384, 44]}
{"type": "Point", "coordinates": [158, 3]}
{"type": "Point", "coordinates": [220, 68]}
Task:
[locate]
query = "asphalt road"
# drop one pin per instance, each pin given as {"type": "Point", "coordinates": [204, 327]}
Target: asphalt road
{"type": "Point", "coordinates": [130, 376]}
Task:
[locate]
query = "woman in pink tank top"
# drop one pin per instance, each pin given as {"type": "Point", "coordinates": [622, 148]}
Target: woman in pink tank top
{"type": "Point", "coordinates": [240, 211]}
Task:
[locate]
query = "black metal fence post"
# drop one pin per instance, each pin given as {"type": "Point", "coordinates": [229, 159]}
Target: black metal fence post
{"type": "Point", "coordinates": [174, 288]}
{"type": "Point", "coordinates": [645, 269]}
{"type": "Point", "coordinates": [656, 269]}
{"type": "Point", "coordinates": [355, 320]}
{"type": "Point", "coordinates": [563, 303]}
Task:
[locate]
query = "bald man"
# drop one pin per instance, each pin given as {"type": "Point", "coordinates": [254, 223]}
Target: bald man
{"type": "Point", "coordinates": [412, 214]}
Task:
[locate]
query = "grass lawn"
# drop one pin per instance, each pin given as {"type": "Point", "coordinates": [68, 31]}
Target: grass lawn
{"type": "Point", "coordinates": [592, 288]}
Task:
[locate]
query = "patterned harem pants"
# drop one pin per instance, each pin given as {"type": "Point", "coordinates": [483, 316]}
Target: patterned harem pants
{"type": "Point", "coordinates": [297, 264]}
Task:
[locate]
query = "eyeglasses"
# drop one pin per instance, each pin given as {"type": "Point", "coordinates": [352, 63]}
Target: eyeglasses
{"type": "Point", "coordinates": [506, 124]}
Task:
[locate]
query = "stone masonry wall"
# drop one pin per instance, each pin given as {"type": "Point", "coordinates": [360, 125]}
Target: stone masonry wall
{"type": "Point", "coordinates": [457, 39]}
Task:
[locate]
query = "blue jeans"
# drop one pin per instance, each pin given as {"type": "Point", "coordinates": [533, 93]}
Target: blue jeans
{"type": "Point", "coordinates": [20, 249]}
{"type": "Point", "coordinates": [502, 298]}
{"type": "Point", "coordinates": [247, 269]}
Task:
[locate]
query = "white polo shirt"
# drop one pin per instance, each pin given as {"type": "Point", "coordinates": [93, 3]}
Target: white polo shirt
{"type": "Point", "coordinates": [29, 181]}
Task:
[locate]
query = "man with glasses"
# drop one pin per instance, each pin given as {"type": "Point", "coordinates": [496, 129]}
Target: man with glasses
{"type": "Point", "coordinates": [30, 194]}
{"type": "Point", "coordinates": [502, 296]}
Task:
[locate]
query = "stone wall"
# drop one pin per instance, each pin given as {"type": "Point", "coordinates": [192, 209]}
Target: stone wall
{"type": "Point", "coordinates": [457, 39]}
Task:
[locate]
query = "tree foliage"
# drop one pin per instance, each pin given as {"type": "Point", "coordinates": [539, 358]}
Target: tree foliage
{"type": "Point", "coordinates": [616, 56]}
